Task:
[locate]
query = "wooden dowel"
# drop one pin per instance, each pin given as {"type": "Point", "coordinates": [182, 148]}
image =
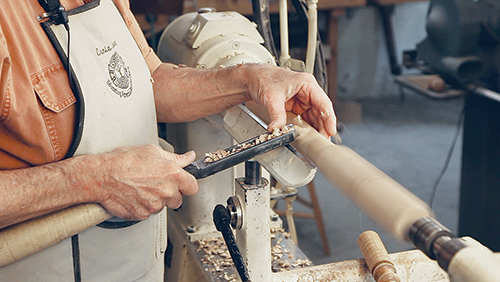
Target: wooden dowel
{"type": "Point", "coordinates": [377, 258]}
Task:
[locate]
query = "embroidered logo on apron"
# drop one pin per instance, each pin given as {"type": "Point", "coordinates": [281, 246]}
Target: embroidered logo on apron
{"type": "Point", "coordinates": [120, 80]}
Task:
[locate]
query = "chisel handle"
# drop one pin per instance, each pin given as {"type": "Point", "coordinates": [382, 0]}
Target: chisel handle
{"type": "Point", "coordinates": [21, 240]}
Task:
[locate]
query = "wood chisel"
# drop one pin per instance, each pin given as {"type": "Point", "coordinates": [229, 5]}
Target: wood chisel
{"type": "Point", "coordinates": [285, 164]}
{"type": "Point", "coordinates": [229, 157]}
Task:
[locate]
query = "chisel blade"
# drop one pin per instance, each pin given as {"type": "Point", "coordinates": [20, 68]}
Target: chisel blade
{"type": "Point", "coordinates": [285, 164]}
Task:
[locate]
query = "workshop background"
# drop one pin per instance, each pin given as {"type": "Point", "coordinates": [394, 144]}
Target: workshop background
{"type": "Point", "coordinates": [406, 135]}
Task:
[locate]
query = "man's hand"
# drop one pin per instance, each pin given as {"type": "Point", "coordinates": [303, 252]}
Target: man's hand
{"type": "Point", "coordinates": [136, 182]}
{"type": "Point", "coordinates": [280, 90]}
{"type": "Point", "coordinates": [185, 94]}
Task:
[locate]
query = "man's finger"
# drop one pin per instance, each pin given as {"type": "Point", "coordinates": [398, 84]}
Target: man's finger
{"type": "Point", "coordinates": [277, 114]}
{"type": "Point", "coordinates": [330, 122]}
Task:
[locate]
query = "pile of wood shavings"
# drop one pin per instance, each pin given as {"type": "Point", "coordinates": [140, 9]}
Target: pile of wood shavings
{"type": "Point", "coordinates": [278, 253]}
{"type": "Point", "coordinates": [219, 154]}
{"type": "Point", "coordinates": [216, 258]}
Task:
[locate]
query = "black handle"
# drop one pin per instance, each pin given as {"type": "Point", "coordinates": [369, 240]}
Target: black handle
{"type": "Point", "coordinates": [201, 169]}
{"type": "Point", "coordinates": [222, 221]}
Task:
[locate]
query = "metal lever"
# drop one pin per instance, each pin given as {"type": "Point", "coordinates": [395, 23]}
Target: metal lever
{"type": "Point", "coordinates": [222, 220]}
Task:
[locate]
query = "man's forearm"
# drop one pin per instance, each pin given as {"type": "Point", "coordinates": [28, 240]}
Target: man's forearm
{"type": "Point", "coordinates": [129, 182]}
{"type": "Point", "coordinates": [185, 94]}
{"type": "Point", "coordinates": [31, 192]}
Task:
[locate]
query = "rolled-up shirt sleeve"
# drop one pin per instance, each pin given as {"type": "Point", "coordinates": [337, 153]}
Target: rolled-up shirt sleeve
{"type": "Point", "coordinates": [151, 58]}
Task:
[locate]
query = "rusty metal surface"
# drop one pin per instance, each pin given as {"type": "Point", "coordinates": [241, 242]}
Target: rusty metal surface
{"type": "Point", "coordinates": [412, 266]}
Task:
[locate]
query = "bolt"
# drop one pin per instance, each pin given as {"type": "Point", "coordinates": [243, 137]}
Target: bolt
{"type": "Point", "coordinates": [192, 28]}
{"type": "Point", "coordinates": [191, 229]}
{"type": "Point", "coordinates": [274, 217]}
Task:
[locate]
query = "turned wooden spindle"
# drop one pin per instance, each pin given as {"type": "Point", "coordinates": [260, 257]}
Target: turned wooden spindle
{"type": "Point", "coordinates": [377, 258]}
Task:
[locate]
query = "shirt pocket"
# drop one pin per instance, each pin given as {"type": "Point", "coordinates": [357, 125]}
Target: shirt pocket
{"type": "Point", "coordinates": [51, 85]}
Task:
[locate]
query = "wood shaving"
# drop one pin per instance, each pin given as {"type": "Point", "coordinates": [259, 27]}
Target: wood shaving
{"type": "Point", "coordinates": [280, 264]}
{"type": "Point", "coordinates": [219, 154]}
{"type": "Point", "coordinates": [217, 260]}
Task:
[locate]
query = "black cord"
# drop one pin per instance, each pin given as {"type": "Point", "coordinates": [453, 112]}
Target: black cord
{"type": "Point", "coordinates": [448, 157]}
{"type": "Point", "coordinates": [69, 66]}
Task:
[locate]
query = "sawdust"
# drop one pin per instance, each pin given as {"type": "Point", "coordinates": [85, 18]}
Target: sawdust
{"type": "Point", "coordinates": [219, 154]}
{"type": "Point", "coordinates": [282, 258]}
{"type": "Point", "coordinates": [217, 259]}
{"type": "Point", "coordinates": [218, 263]}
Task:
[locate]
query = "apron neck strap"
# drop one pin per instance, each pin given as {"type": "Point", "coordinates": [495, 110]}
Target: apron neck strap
{"type": "Point", "coordinates": [55, 11]}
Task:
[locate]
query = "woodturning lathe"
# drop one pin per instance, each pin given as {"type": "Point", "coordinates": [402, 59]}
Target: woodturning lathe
{"type": "Point", "coordinates": [388, 203]}
{"type": "Point", "coordinates": [400, 212]}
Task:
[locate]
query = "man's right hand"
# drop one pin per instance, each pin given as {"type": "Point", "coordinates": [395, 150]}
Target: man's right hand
{"type": "Point", "coordinates": [136, 182]}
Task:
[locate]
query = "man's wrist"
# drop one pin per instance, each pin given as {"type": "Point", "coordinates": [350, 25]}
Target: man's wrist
{"type": "Point", "coordinates": [83, 177]}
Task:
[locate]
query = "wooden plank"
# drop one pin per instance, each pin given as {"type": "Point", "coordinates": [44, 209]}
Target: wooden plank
{"type": "Point", "coordinates": [171, 7]}
{"type": "Point", "coordinates": [392, 2]}
{"type": "Point", "coordinates": [245, 7]}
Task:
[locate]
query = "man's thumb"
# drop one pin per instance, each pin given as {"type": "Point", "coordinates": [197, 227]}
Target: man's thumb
{"type": "Point", "coordinates": [186, 158]}
{"type": "Point", "coordinates": [181, 160]}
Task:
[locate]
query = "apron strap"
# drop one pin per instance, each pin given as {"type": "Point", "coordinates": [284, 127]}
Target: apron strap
{"type": "Point", "coordinates": [55, 11]}
{"type": "Point", "coordinates": [49, 5]}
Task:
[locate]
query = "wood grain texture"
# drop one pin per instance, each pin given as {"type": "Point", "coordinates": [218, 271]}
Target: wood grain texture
{"type": "Point", "coordinates": [26, 238]}
{"type": "Point", "coordinates": [377, 258]}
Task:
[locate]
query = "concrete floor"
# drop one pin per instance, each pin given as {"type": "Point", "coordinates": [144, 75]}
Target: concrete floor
{"type": "Point", "coordinates": [408, 140]}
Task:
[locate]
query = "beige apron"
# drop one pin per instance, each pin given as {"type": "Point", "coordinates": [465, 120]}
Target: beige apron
{"type": "Point", "coordinates": [119, 111]}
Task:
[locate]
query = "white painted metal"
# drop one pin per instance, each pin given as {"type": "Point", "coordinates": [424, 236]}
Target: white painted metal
{"type": "Point", "coordinates": [210, 40]}
{"type": "Point", "coordinates": [312, 34]}
{"type": "Point", "coordinates": [207, 40]}
{"type": "Point", "coordinates": [474, 263]}
{"type": "Point", "coordinates": [254, 238]}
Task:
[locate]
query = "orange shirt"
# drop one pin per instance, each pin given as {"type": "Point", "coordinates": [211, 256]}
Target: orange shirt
{"type": "Point", "coordinates": [37, 106]}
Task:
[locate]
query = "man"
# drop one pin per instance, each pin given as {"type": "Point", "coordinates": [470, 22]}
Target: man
{"type": "Point", "coordinates": [52, 158]}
